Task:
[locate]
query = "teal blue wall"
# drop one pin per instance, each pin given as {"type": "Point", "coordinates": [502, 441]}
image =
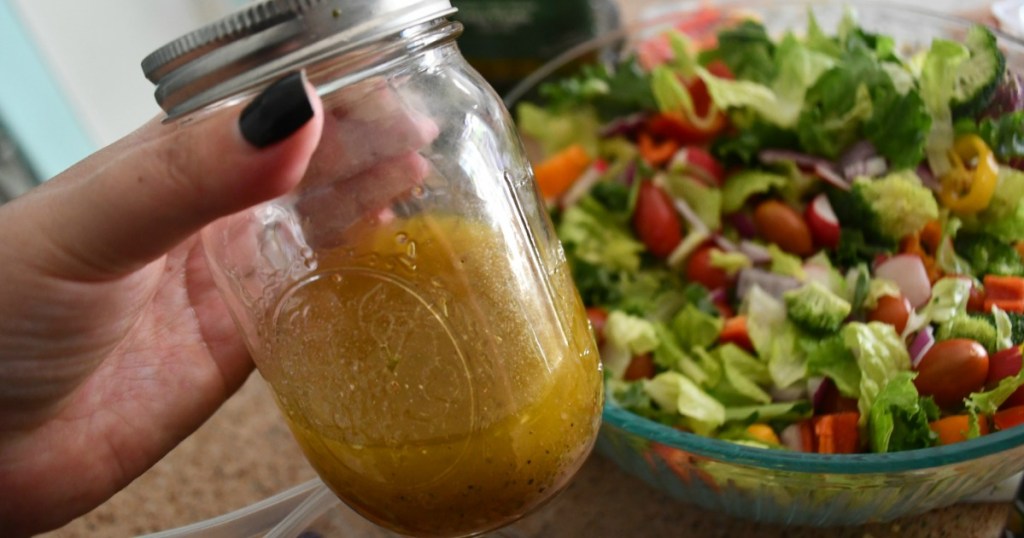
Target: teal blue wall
{"type": "Point", "coordinates": [33, 105]}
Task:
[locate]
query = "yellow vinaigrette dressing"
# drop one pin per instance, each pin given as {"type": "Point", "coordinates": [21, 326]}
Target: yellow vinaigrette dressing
{"type": "Point", "coordinates": [424, 396]}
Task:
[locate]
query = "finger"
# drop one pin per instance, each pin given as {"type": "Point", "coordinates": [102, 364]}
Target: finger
{"type": "Point", "coordinates": [365, 129]}
{"type": "Point", "coordinates": [135, 202]}
{"type": "Point", "coordinates": [336, 206]}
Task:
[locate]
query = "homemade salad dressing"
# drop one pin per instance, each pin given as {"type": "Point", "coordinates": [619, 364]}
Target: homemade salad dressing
{"type": "Point", "coordinates": [421, 395]}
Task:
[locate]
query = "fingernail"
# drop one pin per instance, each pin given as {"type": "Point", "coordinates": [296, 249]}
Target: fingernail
{"type": "Point", "coordinates": [276, 113]}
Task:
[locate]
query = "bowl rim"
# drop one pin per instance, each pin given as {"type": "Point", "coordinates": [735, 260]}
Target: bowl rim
{"type": "Point", "coordinates": [734, 453]}
{"type": "Point", "coordinates": [922, 459]}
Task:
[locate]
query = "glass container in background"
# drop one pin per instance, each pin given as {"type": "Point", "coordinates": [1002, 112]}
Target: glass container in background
{"type": "Point", "coordinates": [507, 40]}
{"type": "Point", "coordinates": [408, 302]}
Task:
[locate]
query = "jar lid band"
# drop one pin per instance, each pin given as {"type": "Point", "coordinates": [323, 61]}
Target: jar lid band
{"type": "Point", "coordinates": [251, 46]}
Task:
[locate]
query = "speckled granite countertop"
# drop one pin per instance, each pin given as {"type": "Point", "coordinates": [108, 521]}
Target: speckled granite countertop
{"type": "Point", "coordinates": [245, 453]}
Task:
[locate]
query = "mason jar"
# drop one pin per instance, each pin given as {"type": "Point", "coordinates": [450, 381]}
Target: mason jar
{"type": "Point", "coordinates": [408, 302]}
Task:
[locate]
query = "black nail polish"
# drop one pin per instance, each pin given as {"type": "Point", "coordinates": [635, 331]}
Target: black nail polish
{"type": "Point", "coordinates": [276, 113]}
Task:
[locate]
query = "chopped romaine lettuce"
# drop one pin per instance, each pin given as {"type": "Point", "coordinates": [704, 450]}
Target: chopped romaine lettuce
{"type": "Point", "coordinates": [674, 393]}
{"type": "Point", "coordinates": [899, 417]}
{"type": "Point", "coordinates": [880, 354]}
{"type": "Point", "coordinates": [555, 131]}
{"type": "Point", "coordinates": [739, 187]}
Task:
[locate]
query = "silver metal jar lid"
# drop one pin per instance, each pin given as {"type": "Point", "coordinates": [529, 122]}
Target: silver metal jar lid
{"type": "Point", "coordinates": [251, 46]}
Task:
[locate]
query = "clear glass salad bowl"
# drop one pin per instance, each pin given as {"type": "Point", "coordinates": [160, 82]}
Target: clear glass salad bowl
{"type": "Point", "coordinates": [782, 486]}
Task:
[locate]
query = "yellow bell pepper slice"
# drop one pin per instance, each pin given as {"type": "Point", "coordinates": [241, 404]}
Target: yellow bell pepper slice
{"type": "Point", "coordinates": [969, 186]}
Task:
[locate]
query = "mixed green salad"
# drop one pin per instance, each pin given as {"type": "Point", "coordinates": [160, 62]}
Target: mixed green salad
{"type": "Point", "coordinates": [811, 241]}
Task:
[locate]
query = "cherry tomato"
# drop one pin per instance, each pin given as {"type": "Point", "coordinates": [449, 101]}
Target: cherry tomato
{"type": "Point", "coordinates": [699, 164]}
{"type": "Point", "coordinates": [700, 270]}
{"type": "Point", "coordinates": [976, 300]}
{"type": "Point", "coordinates": [655, 220]}
{"type": "Point", "coordinates": [780, 224]}
{"type": "Point", "coordinates": [1003, 364]}
{"type": "Point", "coordinates": [598, 317]}
{"type": "Point", "coordinates": [951, 370]}
{"type": "Point", "coordinates": [641, 367]}
{"type": "Point", "coordinates": [1008, 418]}
{"type": "Point", "coordinates": [891, 309]}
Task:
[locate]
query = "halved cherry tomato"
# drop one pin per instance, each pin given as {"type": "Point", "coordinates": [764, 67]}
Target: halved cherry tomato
{"type": "Point", "coordinates": [598, 317]}
{"type": "Point", "coordinates": [700, 270]}
{"type": "Point", "coordinates": [951, 370]}
{"type": "Point", "coordinates": [655, 220]}
{"type": "Point", "coordinates": [780, 224]}
{"type": "Point", "coordinates": [1003, 364]}
{"type": "Point", "coordinates": [640, 367]}
{"type": "Point", "coordinates": [891, 309]}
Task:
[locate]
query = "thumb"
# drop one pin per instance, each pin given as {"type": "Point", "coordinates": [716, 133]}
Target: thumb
{"type": "Point", "coordinates": [132, 202]}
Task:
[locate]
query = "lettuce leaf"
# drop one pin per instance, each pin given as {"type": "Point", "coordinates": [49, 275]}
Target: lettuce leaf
{"type": "Point", "coordinates": [880, 355]}
{"type": "Point", "coordinates": [675, 393]}
{"type": "Point", "coordinates": [556, 130]}
{"type": "Point", "coordinates": [590, 232]}
{"type": "Point", "coordinates": [739, 187]}
{"type": "Point", "coordinates": [899, 417]}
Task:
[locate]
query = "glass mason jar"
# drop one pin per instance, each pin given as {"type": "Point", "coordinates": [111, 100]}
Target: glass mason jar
{"type": "Point", "coordinates": [408, 302]}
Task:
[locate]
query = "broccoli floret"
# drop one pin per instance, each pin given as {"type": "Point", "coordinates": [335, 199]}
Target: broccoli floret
{"type": "Point", "coordinates": [885, 209]}
{"type": "Point", "coordinates": [988, 255]}
{"type": "Point", "coordinates": [1016, 322]}
{"type": "Point", "coordinates": [974, 328]}
{"type": "Point", "coordinates": [815, 308]}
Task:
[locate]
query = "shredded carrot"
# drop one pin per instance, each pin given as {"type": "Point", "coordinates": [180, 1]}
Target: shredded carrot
{"type": "Point", "coordinates": [931, 236]}
{"type": "Point", "coordinates": [837, 433]}
{"type": "Point", "coordinates": [807, 436]}
{"type": "Point", "coordinates": [1006, 292]}
{"type": "Point", "coordinates": [557, 173]}
{"type": "Point", "coordinates": [656, 154]}
{"type": "Point", "coordinates": [735, 330]}
{"type": "Point", "coordinates": [953, 429]}
{"type": "Point", "coordinates": [911, 244]}
{"type": "Point", "coordinates": [1019, 246]}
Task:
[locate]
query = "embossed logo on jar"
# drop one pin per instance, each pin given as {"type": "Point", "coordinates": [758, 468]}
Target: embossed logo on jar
{"type": "Point", "coordinates": [370, 362]}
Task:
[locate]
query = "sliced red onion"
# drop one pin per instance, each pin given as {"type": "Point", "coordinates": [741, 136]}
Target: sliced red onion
{"type": "Point", "coordinates": [718, 295]}
{"type": "Point", "coordinates": [821, 394]}
{"type": "Point", "coordinates": [623, 126]}
{"type": "Point", "coordinates": [927, 177]}
{"type": "Point", "coordinates": [923, 341]}
{"type": "Point", "coordinates": [743, 223]}
{"type": "Point", "coordinates": [813, 384]}
{"type": "Point", "coordinates": [802, 160]}
{"type": "Point", "coordinates": [773, 284]}
{"type": "Point", "coordinates": [857, 153]}
{"type": "Point", "coordinates": [690, 216]}
{"type": "Point", "coordinates": [756, 252]}
{"type": "Point", "coordinates": [725, 244]}
{"type": "Point", "coordinates": [792, 438]}
{"type": "Point", "coordinates": [823, 168]}
{"type": "Point", "coordinates": [581, 186]}
{"type": "Point", "coordinates": [870, 167]}
{"type": "Point", "coordinates": [827, 171]}
{"type": "Point", "coordinates": [629, 174]}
